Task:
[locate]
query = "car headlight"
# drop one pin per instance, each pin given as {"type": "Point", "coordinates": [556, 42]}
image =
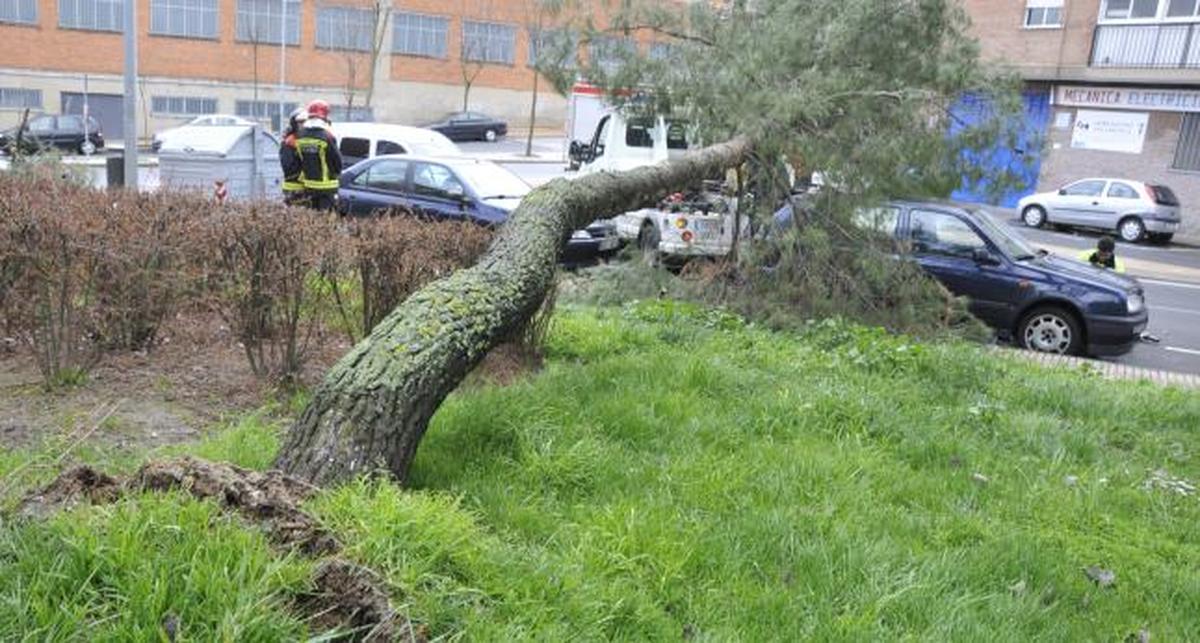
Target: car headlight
{"type": "Point", "coordinates": [581, 235]}
{"type": "Point", "coordinates": [1134, 303]}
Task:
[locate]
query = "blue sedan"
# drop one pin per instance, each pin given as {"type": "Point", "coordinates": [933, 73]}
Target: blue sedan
{"type": "Point", "coordinates": [455, 189]}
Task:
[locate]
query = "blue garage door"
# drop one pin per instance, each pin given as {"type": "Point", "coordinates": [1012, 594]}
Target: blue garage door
{"type": "Point", "coordinates": [1023, 159]}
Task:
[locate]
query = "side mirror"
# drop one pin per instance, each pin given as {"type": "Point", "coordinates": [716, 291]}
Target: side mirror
{"type": "Point", "coordinates": [577, 152]}
{"type": "Point", "coordinates": [984, 258]}
{"type": "Point", "coordinates": [1062, 192]}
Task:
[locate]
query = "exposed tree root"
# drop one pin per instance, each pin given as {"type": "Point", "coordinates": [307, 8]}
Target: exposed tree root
{"type": "Point", "coordinates": [344, 596]}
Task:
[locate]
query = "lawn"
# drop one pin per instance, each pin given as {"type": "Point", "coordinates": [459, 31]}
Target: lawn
{"type": "Point", "coordinates": [674, 473]}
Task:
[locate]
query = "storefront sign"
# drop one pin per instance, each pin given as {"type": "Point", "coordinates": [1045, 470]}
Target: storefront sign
{"type": "Point", "coordinates": [1158, 100]}
{"type": "Point", "coordinates": [1110, 131]}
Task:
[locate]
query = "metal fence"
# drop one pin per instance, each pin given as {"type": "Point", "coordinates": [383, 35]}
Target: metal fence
{"type": "Point", "coordinates": [1163, 46]}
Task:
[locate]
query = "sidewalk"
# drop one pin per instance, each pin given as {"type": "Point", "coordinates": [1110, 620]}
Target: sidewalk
{"type": "Point", "coordinates": [1107, 370]}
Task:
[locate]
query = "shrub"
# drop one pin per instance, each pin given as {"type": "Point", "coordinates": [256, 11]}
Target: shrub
{"type": "Point", "coordinates": [257, 263]}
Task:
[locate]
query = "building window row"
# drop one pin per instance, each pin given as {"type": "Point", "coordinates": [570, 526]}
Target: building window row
{"type": "Point", "coordinates": [183, 105]}
{"type": "Point", "coordinates": [94, 15]}
{"type": "Point", "coordinates": [261, 109]}
{"type": "Point", "coordinates": [19, 11]}
{"type": "Point", "coordinates": [260, 21]}
{"type": "Point", "coordinates": [18, 98]}
{"type": "Point", "coordinates": [1187, 152]}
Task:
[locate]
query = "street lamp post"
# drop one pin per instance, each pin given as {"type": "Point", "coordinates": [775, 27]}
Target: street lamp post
{"type": "Point", "coordinates": [130, 104]}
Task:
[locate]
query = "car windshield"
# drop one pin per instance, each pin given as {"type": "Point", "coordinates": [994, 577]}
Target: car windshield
{"type": "Point", "coordinates": [1009, 243]}
{"type": "Point", "coordinates": [491, 181]}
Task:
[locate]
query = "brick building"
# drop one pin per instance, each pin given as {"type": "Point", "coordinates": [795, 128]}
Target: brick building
{"type": "Point", "coordinates": [224, 56]}
{"type": "Point", "coordinates": [1114, 84]}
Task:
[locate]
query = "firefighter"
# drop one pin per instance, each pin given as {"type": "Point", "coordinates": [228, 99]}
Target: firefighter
{"type": "Point", "coordinates": [1104, 256]}
{"type": "Point", "coordinates": [320, 161]}
{"type": "Point", "coordinates": [289, 159]}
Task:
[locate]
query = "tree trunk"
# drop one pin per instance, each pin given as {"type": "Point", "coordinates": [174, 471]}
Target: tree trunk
{"type": "Point", "coordinates": [532, 115]}
{"type": "Point", "coordinates": [466, 96]}
{"type": "Point", "coordinates": [374, 405]}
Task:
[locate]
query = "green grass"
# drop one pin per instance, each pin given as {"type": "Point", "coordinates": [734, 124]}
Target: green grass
{"type": "Point", "coordinates": [675, 473]}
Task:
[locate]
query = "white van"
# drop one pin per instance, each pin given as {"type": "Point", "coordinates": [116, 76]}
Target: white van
{"type": "Point", "coordinates": [358, 141]}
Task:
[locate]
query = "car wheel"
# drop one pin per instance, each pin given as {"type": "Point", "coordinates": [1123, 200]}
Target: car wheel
{"type": "Point", "coordinates": [1050, 329]}
{"type": "Point", "coordinates": [87, 147]}
{"type": "Point", "coordinates": [490, 136]}
{"type": "Point", "coordinates": [1162, 238]}
{"type": "Point", "coordinates": [1034, 216]}
{"type": "Point", "coordinates": [1131, 229]}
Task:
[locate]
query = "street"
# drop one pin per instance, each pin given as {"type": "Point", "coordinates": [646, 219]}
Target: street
{"type": "Point", "coordinates": [1171, 277]}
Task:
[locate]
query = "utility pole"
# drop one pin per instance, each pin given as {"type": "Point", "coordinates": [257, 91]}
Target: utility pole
{"type": "Point", "coordinates": [131, 72]}
{"type": "Point", "coordinates": [282, 60]}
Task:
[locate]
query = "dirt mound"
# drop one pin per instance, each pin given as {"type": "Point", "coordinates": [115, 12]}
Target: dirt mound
{"type": "Point", "coordinates": [348, 596]}
{"type": "Point", "coordinates": [270, 499]}
{"type": "Point", "coordinates": [75, 485]}
{"type": "Point", "coordinates": [344, 596]}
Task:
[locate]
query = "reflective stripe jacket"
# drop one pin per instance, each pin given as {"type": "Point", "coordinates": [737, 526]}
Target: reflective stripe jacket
{"type": "Point", "coordinates": [320, 161]}
{"type": "Point", "coordinates": [289, 159]}
{"type": "Point", "coordinates": [1089, 256]}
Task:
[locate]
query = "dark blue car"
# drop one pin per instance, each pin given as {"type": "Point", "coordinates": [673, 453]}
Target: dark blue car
{"type": "Point", "coordinates": [453, 188]}
{"type": "Point", "coordinates": [1042, 302]}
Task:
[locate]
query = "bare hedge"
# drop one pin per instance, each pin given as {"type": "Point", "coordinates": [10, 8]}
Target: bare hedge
{"type": "Point", "coordinates": [84, 272]}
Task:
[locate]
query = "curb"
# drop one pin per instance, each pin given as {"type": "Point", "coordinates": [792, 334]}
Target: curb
{"type": "Point", "coordinates": [1107, 370]}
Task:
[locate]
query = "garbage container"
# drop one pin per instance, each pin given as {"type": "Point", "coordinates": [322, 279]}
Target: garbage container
{"type": "Point", "coordinates": [114, 168]}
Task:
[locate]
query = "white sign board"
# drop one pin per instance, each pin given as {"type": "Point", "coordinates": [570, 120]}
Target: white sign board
{"type": "Point", "coordinates": [1110, 131]}
{"type": "Point", "coordinates": [1159, 100]}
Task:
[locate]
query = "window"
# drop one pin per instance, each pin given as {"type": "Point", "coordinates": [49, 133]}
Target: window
{"type": "Point", "coordinates": [1122, 191]}
{"type": "Point", "coordinates": [554, 46]}
{"type": "Point", "coordinates": [878, 219]}
{"type": "Point", "coordinates": [385, 175]}
{"type": "Point", "coordinates": [96, 15]}
{"type": "Point", "coordinates": [354, 149]}
{"type": "Point", "coordinates": [345, 28]}
{"type": "Point", "coordinates": [1084, 188]}
{"type": "Point", "coordinates": [943, 234]}
{"type": "Point", "coordinates": [19, 11]}
{"type": "Point", "coordinates": [637, 134]}
{"type": "Point", "coordinates": [388, 147]}
{"type": "Point", "coordinates": [677, 135]}
{"type": "Point", "coordinates": [186, 18]}
{"type": "Point", "coordinates": [261, 109]}
{"type": "Point", "coordinates": [416, 35]}
{"type": "Point", "coordinates": [42, 124]}
{"type": "Point", "coordinates": [1182, 8]}
{"type": "Point", "coordinates": [355, 114]}
{"type": "Point", "coordinates": [436, 181]}
{"type": "Point", "coordinates": [1043, 13]}
{"type": "Point", "coordinates": [182, 105]}
{"type": "Point", "coordinates": [489, 42]}
{"type": "Point", "coordinates": [1126, 9]}
{"type": "Point", "coordinates": [15, 98]}
{"type": "Point", "coordinates": [610, 53]}
{"type": "Point", "coordinates": [1187, 151]}
{"type": "Point", "coordinates": [258, 21]}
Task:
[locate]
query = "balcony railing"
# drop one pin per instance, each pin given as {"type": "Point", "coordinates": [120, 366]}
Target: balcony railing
{"type": "Point", "coordinates": [1162, 46]}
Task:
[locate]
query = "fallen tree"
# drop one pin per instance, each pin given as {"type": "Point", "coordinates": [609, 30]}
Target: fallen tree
{"type": "Point", "coordinates": [374, 405]}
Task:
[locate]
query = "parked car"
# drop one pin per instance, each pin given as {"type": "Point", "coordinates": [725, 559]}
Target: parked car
{"type": "Point", "coordinates": [1040, 301]}
{"type": "Point", "coordinates": [65, 132]}
{"type": "Point", "coordinates": [359, 141]}
{"type": "Point", "coordinates": [453, 188]}
{"type": "Point", "coordinates": [208, 119]}
{"type": "Point", "coordinates": [1133, 209]}
{"type": "Point", "coordinates": [470, 126]}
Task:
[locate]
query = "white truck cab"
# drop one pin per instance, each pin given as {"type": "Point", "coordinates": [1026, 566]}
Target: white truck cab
{"type": "Point", "coordinates": [604, 139]}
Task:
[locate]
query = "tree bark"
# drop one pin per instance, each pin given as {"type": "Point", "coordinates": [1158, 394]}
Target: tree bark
{"type": "Point", "coordinates": [375, 404]}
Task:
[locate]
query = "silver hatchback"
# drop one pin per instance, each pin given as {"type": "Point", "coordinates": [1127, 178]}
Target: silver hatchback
{"type": "Point", "coordinates": [1133, 209]}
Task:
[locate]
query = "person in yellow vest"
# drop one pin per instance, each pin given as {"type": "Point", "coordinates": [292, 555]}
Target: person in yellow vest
{"type": "Point", "coordinates": [1104, 255]}
{"type": "Point", "coordinates": [320, 161]}
{"type": "Point", "coordinates": [289, 159]}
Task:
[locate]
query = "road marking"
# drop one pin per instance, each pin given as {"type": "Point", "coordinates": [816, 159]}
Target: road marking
{"type": "Point", "coordinates": [1188, 351]}
{"type": "Point", "coordinates": [1169, 309]}
{"type": "Point", "coordinates": [1174, 284]}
